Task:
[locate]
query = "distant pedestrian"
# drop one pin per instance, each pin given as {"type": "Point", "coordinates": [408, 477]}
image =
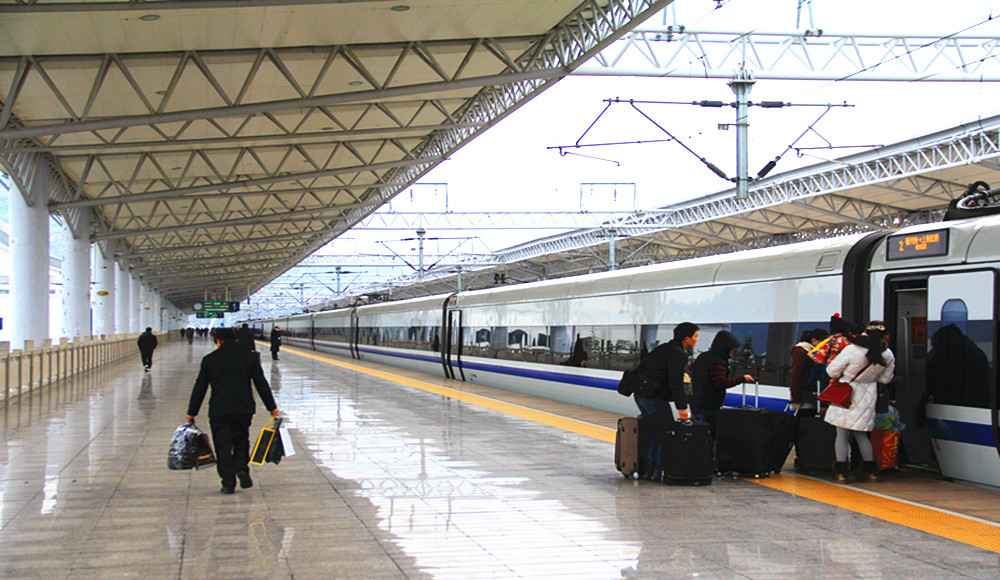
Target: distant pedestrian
{"type": "Point", "coordinates": [190, 335]}
{"type": "Point", "coordinates": [147, 344]}
{"type": "Point", "coordinates": [229, 370]}
{"type": "Point", "coordinates": [275, 342]}
{"type": "Point", "coordinates": [244, 338]}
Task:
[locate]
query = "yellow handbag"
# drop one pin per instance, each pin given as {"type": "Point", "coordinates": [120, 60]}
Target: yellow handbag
{"type": "Point", "coordinates": [268, 437]}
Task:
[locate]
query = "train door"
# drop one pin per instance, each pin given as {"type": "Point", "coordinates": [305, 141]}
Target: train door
{"type": "Point", "coordinates": [961, 376]}
{"type": "Point", "coordinates": [353, 335]}
{"type": "Point", "coordinates": [907, 313]}
{"type": "Point", "coordinates": [451, 355]}
{"type": "Point", "coordinates": [312, 332]}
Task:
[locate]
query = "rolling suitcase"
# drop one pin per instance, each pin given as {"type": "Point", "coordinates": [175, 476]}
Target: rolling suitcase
{"type": "Point", "coordinates": [814, 451]}
{"type": "Point", "coordinates": [687, 454]}
{"type": "Point", "coordinates": [631, 445]}
{"type": "Point", "coordinates": [752, 441]}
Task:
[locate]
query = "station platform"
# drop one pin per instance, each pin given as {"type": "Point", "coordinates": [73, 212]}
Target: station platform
{"type": "Point", "coordinates": [402, 475]}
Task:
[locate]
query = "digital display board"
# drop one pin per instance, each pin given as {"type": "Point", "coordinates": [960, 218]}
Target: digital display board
{"type": "Point", "coordinates": [918, 245]}
{"type": "Point", "coordinates": [216, 307]}
{"type": "Point", "coordinates": [210, 315]}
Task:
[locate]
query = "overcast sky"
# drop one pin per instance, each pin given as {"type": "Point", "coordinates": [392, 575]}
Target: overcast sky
{"type": "Point", "coordinates": [510, 168]}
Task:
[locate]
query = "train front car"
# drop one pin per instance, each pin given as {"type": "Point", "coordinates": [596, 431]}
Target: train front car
{"type": "Point", "coordinates": [570, 339]}
{"type": "Point", "coordinates": [936, 286]}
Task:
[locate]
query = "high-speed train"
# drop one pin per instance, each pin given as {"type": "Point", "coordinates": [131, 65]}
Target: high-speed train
{"type": "Point", "coordinates": [936, 285]}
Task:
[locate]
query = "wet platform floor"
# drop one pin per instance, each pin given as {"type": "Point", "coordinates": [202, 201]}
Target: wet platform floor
{"type": "Point", "coordinates": [391, 481]}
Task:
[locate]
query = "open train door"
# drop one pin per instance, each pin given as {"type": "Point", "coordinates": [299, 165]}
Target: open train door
{"type": "Point", "coordinates": [961, 374]}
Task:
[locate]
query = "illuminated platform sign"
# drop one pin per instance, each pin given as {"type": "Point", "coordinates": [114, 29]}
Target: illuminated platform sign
{"type": "Point", "coordinates": [221, 307]}
{"type": "Point", "coordinates": [918, 245]}
{"type": "Point", "coordinates": [210, 315]}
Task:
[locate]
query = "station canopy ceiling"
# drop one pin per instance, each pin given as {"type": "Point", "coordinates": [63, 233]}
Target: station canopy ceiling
{"type": "Point", "coordinates": [216, 143]}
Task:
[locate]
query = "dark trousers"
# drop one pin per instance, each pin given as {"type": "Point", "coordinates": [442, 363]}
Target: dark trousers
{"type": "Point", "coordinates": [274, 351]}
{"type": "Point", "coordinates": [147, 358]}
{"type": "Point", "coordinates": [705, 415]}
{"type": "Point", "coordinates": [231, 437]}
{"type": "Point", "coordinates": [658, 416]}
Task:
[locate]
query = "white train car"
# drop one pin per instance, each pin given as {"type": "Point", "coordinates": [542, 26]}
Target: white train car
{"type": "Point", "coordinates": [935, 285]}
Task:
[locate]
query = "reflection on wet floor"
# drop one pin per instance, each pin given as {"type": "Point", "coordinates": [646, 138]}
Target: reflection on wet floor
{"type": "Point", "coordinates": [391, 482]}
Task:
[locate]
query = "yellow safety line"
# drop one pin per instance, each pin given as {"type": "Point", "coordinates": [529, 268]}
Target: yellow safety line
{"type": "Point", "coordinates": [956, 527]}
{"type": "Point", "coordinates": [980, 534]}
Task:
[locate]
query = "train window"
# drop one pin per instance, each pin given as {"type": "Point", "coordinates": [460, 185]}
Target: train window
{"type": "Point", "coordinates": [612, 347]}
{"type": "Point", "coordinates": [959, 370]}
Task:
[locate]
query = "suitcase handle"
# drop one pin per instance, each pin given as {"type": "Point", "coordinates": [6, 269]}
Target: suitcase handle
{"type": "Point", "coordinates": [756, 393]}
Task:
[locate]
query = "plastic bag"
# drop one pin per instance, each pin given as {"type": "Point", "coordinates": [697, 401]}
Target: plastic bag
{"type": "Point", "coordinates": [189, 448]}
{"type": "Point", "coordinates": [889, 421]}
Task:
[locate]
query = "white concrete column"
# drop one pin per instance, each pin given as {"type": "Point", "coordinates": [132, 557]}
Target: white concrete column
{"type": "Point", "coordinates": [123, 294]}
{"type": "Point", "coordinates": [29, 259]}
{"type": "Point", "coordinates": [103, 298]}
{"type": "Point", "coordinates": [146, 305]}
{"type": "Point", "coordinates": [76, 277]}
{"type": "Point", "coordinates": [135, 304]}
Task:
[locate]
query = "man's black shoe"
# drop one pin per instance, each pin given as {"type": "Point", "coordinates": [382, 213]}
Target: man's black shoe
{"type": "Point", "coordinates": [227, 490]}
{"type": "Point", "coordinates": [245, 481]}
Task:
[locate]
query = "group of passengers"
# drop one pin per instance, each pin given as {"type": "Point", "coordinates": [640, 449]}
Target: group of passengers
{"type": "Point", "coordinates": [855, 354]}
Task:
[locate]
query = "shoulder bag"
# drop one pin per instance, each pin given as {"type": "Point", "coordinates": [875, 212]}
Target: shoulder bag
{"type": "Point", "coordinates": [839, 392]}
{"type": "Point", "coordinates": [634, 383]}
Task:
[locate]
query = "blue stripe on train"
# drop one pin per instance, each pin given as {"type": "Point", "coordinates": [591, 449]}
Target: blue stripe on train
{"type": "Point", "coordinates": [961, 432]}
{"type": "Point", "coordinates": [957, 431]}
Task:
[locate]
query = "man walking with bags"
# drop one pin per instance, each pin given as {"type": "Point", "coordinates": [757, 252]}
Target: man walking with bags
{"type": "Point", "coordinates": [229, 370]}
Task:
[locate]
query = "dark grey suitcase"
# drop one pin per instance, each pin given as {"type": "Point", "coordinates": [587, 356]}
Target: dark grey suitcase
{"type": "Point", "coordinates": [753, 442]}
{"type": "Point", "coordinates": [687, 453]}
{"type": "Point", "coordinates": [814, 450]}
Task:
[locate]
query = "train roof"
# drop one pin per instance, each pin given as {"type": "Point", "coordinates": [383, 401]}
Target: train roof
{"type": "Point", "coordinates": [789, 261]}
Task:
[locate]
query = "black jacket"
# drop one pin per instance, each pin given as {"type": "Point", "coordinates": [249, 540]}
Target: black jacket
{"type": "Point", "coordinates": [275, 339]}
{"type": "Point", "coordinates": [147, 342]}
{"type": "Point", "coordinates": [244, 338]}
{"type": "Point", "coordinates": [229, 370]}
{"type": "Point", "coordinates": [710, 379]}
{"type": "Point", "coordinates": [665, 365]}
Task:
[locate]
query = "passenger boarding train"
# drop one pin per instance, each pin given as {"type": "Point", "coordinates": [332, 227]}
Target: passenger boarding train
{"type": "Point", "coordinates": [936, 285]}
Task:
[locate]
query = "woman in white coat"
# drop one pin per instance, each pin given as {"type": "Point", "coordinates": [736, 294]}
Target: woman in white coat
{"type": "Point", "coordinates": [863, 364]}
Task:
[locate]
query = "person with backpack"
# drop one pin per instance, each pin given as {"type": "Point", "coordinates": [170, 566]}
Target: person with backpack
{"type": "Point", "coordinates": [664, 367]}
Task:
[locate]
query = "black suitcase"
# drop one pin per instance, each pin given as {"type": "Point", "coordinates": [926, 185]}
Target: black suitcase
{"type": "Point", "coordinates": [754, 442]}
{"type": "Point", "coordinates": [814, 450]}
{"type": "Point", "coordinates": [631, 446]}
{"type": "Point", "coordinates": [687, 453]}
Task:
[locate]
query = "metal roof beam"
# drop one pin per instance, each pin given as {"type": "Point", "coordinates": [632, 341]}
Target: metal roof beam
{"type": "Point", "coordinates": [680, 52]}
{"type": "Point", "coordinates": [190, 191]}
{"type": "Point", "coordinates": [53, 6]}
{"type": "Point", "coordinates": [35, 131]}
{"type": "Point", "coordinates": [235, 142]}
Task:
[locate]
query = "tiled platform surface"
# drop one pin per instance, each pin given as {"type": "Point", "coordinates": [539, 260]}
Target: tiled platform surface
{"type": "Point", "coordinates": [391, 482]}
